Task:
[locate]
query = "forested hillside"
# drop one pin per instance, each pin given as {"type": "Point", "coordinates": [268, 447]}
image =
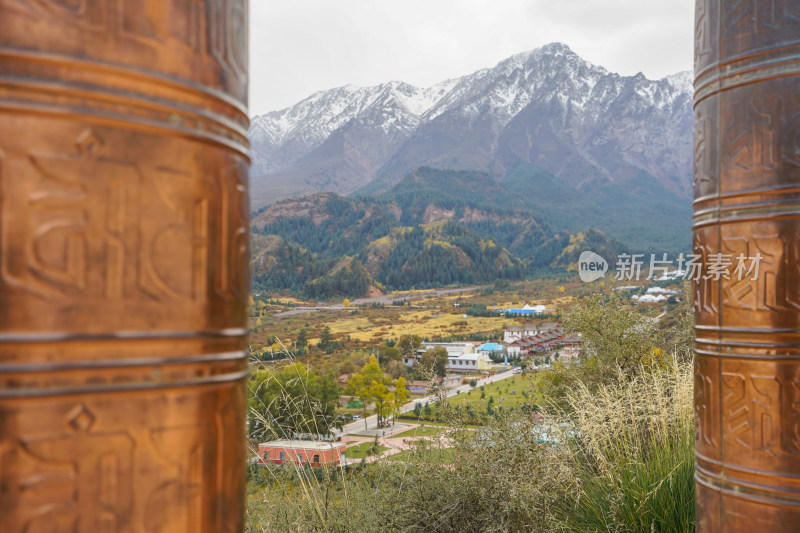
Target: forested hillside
{"type": "Point", "coordinates": [521, 158]}
{"type": "Point", "coordinates": [434, 228]}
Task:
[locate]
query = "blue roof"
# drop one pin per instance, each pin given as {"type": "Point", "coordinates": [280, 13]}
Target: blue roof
{"type": "Point", "coordinates": [491, 347]}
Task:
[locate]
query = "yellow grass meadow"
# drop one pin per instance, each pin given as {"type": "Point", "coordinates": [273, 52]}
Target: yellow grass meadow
{"type": "Point", "coordinates": [426, 323]}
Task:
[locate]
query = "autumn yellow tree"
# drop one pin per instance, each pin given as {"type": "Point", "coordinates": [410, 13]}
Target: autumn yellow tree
{"type": "Point", "coordinates": [372, 386]}
{"type": "Point", "coordinates": [382, 397]}
{"type": "Point", "coordinates": [400, 395]}
{"type": "Point", "coordinates": [361, 386]}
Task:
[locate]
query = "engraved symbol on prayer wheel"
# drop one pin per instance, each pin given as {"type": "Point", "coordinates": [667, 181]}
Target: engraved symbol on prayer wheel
{"type": "Point", "coordinates": [124, 281]}
{"type": "Point", "coordinates": [747, 201]}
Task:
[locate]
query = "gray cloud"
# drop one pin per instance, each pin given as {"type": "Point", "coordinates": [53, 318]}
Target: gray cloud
{"type": "Point", "coordinates": [298, 47]}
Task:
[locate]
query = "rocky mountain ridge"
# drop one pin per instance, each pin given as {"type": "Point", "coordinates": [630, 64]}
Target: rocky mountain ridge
{"type": "Point", "coordinates": [548, 107]}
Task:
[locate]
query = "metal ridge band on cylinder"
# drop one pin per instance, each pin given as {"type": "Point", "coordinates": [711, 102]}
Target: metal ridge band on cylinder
{"type": "Point", "coordinates": [747, 203]}
{"type": "Point", "coordinates": [124, 279]}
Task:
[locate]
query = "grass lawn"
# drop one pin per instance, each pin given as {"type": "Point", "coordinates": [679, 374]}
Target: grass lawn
{"type": "Point", "coordinates": [360, 451]}
{"type": "Point", "coordinates": [410, 417]}
{"type": "Point", "coordinates": [506, 393]}
{"type": "Point", "coordinates": [427, 431]}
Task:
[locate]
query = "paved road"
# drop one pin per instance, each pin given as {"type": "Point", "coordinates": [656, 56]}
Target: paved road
{"type": "Point", "coordinates": [385, 299]}
{"type": "Point", "coordinates": [371, 422]}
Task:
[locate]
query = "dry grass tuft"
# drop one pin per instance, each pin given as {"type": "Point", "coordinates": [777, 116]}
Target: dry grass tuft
{"type": "Point", "coordinates": [633, 452]}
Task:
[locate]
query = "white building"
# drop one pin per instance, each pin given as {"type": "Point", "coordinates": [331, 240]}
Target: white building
{"type": "Point", "coordinates": [659, 290]}
{"type": "Point", "coordinates": [514, 333]}
{"type": "Point", "coordinates": [461, 356]}
{"type": "Point", "coordinates": [526, 310]}
{"type": "Point", "coordinates": [453, 349]}
{"type": "Point", "coordinates": [466, 362]}
{"type": "Point", "coordinates": [649, 298]}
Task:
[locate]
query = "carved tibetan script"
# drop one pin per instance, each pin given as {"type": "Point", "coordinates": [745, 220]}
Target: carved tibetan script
{"type": "Point", "coordinates": [87, 224]}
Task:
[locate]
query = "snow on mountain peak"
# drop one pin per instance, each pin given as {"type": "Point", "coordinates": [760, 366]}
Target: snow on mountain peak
{"type": "Point", "coordinates": [584, 94]}
{"type": "Point", "coordinates": [682, 81]}
{"type": "Point", "coordinates": [317, 116]}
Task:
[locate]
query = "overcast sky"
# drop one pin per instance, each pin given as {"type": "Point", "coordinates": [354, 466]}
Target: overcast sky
{"type": "Point", "coordinates": [298, 47]}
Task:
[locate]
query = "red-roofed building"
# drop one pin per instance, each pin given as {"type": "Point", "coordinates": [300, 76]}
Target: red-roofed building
{"type": "Point", "coordinates": [543, 341]}
{"type": "Point", "coordinates": [302, 452]}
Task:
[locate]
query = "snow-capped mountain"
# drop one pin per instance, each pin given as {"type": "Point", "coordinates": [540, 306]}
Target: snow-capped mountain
{"type": "Point", "coordinates": [312, 120]}
{"type": "Point", "coordinates": [547, 107]}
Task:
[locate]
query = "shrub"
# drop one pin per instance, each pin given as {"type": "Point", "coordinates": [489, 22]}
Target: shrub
{"type": "Point", "coordinates": [498, 478]}
{"type": "Point", "coordinates": [632, 452]}
{"type": "Point", "coordinates": [619, 456]}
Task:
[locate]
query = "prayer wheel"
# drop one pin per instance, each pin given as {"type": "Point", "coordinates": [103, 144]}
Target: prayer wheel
{"type": "Point", "coordinates": [124, 278]}
{"type": "Point", "coordinates": [747, 205]}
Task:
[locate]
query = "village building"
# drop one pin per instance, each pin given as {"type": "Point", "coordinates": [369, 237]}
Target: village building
{"type": "Point", "coordinates": [490, 348]}
{"type": "Point", "coordinates": [526, 310]}
{"type": "Point", "coordinates": [451, 380]}
{"type": "Point", "coordinates": [571, 345]}
{"type": "Point", "coordinates": [513, 333]}
{"type": "Point", "coordinates": [453, 348]}
{"type": "Point", "coordinates": [301, 452]}
{"type": "Point", "coordinates": [519, 348]}
{"type": "Point", "coordinates": [551, 337]}
{"type": "Point", "coordinates": [547, 340]}
{"type": "Point", "coordinates": [649, 298]}
{"type": "Point", "coordinates": [461, 356]}
{"type": "Point", "coordinates": [467, 362]}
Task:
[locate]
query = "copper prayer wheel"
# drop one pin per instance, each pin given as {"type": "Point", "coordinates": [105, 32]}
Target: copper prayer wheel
{"type": "Point", "coordinates": [747, 203]}
{"type": "Point", "coordinates": [123, 265]}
